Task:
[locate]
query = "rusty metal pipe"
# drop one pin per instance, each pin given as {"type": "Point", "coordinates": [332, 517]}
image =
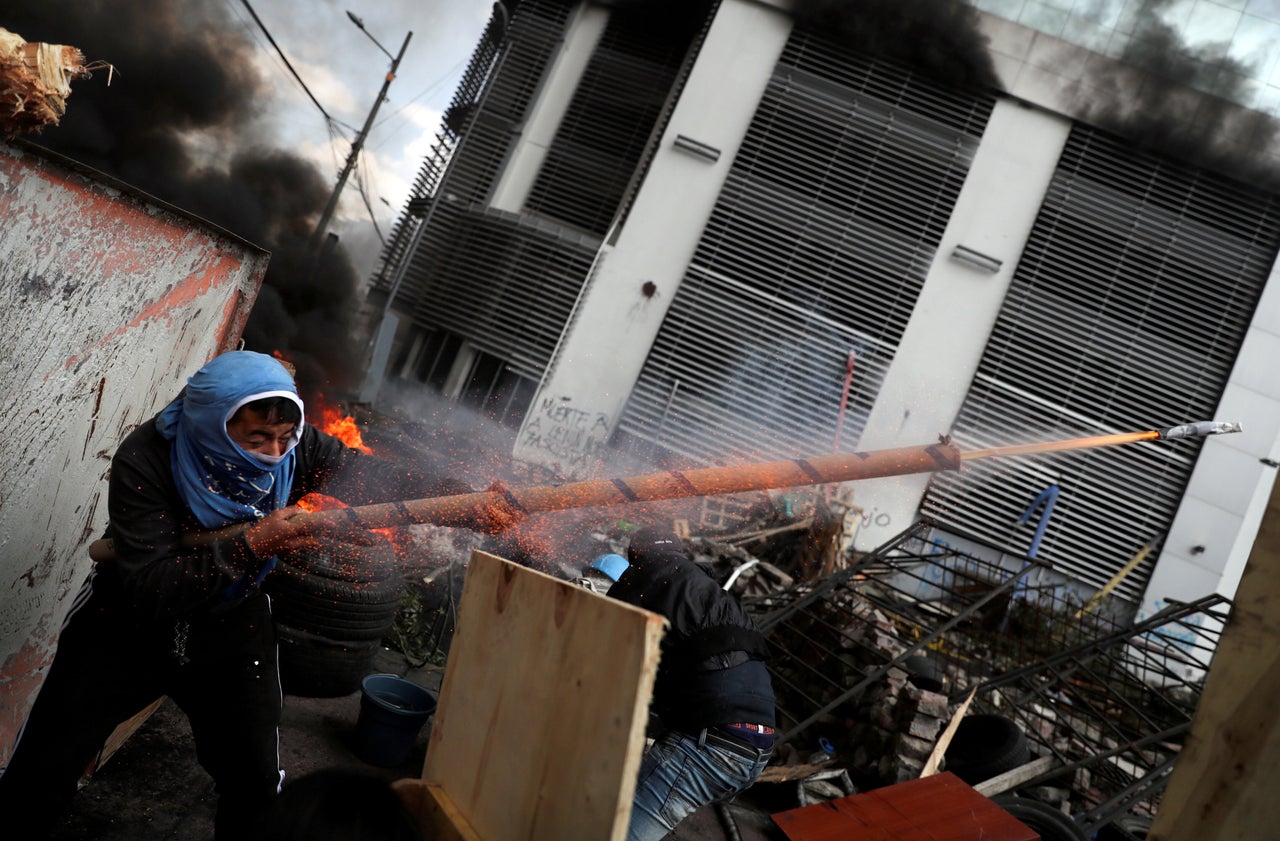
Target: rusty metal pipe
{"type": "Point", "coordinates": [671, 484]}
{"type": "Point", "coordinates": [676, 484]}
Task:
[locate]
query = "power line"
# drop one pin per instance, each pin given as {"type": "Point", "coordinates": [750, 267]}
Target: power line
{"type": "Point", "coordinates": [437, 83]}
{"type": "Point", "coordinates": [280, 52]}
{"type": "Point", "coordinates": [360, 185]}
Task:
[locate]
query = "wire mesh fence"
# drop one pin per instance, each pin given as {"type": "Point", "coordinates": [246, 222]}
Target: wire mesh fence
{"type": "Point", "coordinates": [1105, 705]}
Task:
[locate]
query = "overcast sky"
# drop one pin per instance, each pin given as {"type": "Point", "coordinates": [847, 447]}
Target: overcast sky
{"type": "Point", "coordinates": [344, 70]}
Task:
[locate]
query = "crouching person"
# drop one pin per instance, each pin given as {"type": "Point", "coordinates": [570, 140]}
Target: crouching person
{"type": "Point", "coordinates": [712, 694]}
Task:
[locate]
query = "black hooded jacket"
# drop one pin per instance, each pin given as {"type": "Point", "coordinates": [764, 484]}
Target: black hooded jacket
{"type": "Point", "coordinates": [711, 670]}
{"type": "Point", "coordinates": [156, 580]}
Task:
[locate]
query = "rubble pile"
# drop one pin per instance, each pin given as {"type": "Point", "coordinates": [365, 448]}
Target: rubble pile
{"type": "Point", "coordinates": [896, 729]}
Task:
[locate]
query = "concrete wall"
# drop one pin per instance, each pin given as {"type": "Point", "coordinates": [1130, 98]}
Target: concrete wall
{"type": "Point", "coordinates": [549, 107]}
{"type": "Point", "coordinates": [600, 358]}
{"type": "Point", "coordinates": [1212, 534]}
{"type": "Point", "coordinates": [108, 302]}
{"type": "Point", "coordinates": [940, 350]}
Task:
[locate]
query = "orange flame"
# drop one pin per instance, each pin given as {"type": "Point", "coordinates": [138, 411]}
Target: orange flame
{"type": "Point", "coordinates": [343, 427]}
{"type": "Point", "coordinates": [319, 502]}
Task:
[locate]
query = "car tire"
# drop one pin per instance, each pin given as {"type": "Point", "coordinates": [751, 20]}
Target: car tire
{"type": "Point", "coordinates": [1125, 828]}
{"type": "Point", "coordinates": [314, 666]}
{"type": "Point", "coordinates": [1049, 822]}
{"type": "Point", "coordinates": [984, 746]}
{"type": "Point", "coordinates": [350, 590]}
{"type": "Point", "coordinates": [332, 608]}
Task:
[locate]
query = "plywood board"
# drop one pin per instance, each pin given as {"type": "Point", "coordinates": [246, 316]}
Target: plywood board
{"type": "Point", "coordinates": [543, 707]}
{"type": "Point", "coordinates": [438, 818]}
{"type": "Point", "coordinates": [121, 734]}
{"type": "Point", "coordinates": [1224, 785]}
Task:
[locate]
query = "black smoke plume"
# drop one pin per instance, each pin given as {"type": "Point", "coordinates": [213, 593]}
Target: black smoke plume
{"type": "Point", "coordinates": [185, 70]}
{"type": "Point", "coordinates": [1151, 107]}
{"type": "Point", "coordinates": [941, 39]}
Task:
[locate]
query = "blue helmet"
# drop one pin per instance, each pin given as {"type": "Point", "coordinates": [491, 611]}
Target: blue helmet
{"type": "Point", "coordinates": [611, 565]}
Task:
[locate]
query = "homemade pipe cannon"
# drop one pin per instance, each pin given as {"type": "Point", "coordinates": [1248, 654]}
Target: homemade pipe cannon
{"type": "Point", "coordinates": [708, 481]}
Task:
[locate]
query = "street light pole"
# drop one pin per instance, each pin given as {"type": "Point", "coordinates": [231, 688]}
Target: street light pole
{"type": "Point", "coordinates": [321, 226]}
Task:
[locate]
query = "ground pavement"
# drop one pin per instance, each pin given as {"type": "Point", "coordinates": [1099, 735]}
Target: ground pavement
{"type": "Point", "coordinates": [152, 789]}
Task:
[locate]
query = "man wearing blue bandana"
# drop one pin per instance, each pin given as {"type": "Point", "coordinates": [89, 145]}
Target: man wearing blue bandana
{"type": "Point", "coordinates": [191, 622]}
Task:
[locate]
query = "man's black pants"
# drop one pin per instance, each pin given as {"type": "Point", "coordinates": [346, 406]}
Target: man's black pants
{"type": "Point", "coordinates": [106, 671]}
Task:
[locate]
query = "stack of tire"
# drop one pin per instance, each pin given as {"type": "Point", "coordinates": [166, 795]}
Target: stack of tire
{"type": "Point", "coordinates": [332, 608]}
{"type": "Point", "coordinates": [985, 746]}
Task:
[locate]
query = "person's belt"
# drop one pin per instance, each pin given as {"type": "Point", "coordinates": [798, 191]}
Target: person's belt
{"type": "Point", "coordinates": [763, 729]}
{"type": "Point", "coordinates": [728, 742]}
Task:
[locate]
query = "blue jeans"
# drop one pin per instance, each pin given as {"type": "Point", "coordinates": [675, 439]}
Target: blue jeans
{"type": "Point", "coordinates": [677, 776]}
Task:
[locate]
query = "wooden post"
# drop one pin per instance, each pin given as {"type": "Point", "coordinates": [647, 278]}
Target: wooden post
{"type": "Point", "coordinates": [1224, 785]}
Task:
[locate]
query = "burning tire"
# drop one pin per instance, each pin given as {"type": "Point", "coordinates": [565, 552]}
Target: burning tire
{"type": "Point", "coordinates": [984, 746]}
{"type": "Point", "coordinates": [1050, 823]}
{"type": "Point", "coordinates": [333, 607]}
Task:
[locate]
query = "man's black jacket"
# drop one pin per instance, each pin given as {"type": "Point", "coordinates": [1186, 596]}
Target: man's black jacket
{"type": "Point", "coordinates": [710, 672]}
{"type": "Point", "coordinates": [157, 580]}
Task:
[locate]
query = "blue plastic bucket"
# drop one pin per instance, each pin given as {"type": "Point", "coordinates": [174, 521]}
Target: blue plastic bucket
{"type": "Point", "coordinates": [392, 712]}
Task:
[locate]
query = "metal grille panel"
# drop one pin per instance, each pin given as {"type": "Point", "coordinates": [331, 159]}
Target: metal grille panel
{"type": "Point", "coordinates": [610, 120]}
{"type": "Point", "coordinates": [507, 283]}
{"type": "Point", "coordinates": [1126, 312]}
{"type": "Point", "coordinates": [501, 81]}
{"type": "Point", "coordinates": [818, 246]}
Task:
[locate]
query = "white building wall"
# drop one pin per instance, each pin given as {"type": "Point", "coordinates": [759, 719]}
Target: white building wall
{"type": "Point", "coordinates": [549, 107]}
{"type": "Point", "coordinates": [1214, 528]}
{"type": "Point", "coordinates": [943, 343]}
{"type": "Point", "coordinates": [1213, 531]}
{"type": "Point", "coordinates": [600, 357]}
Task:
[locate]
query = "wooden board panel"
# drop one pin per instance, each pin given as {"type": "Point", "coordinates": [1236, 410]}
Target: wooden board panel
{"type": "Point", "coordinates": [543, 707]}
{"type": "Point", "coordinates": [1224, 785]}
{"type": "Point", "coordinates": [438, 818]}
{"type": "Point", "coordinates": [121, 734]}
{"type": "Point", "coordinates": [940, 807]}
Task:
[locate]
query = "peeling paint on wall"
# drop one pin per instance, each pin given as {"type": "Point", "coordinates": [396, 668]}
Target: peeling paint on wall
{"type": "Point", "coordinates": [108, 302]}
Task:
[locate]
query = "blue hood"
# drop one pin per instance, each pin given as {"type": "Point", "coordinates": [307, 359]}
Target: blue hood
{"type": "Point", "coordinates": [219, 481]}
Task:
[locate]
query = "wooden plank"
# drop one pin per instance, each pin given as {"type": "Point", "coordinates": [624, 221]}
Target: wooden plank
{"type": "Point", "coordinates": [437, 815]}
{"type": "Point", "coordinates": [787, 773]}
{"type": "Point", "coordinates": [1224, 784]}
{"type": "Point", "coordinates": [940, 807]}
{"type": "Point", "coordinates": [1015, 777]}
{"type": "Point", "coordinates": [935, 756]}
{"type": "Point", "coordinates": [121, 734]}
{"type": "Point", "coordinates": [543, 707]}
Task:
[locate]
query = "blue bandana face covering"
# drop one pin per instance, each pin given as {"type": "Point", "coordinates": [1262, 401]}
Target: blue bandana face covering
{"type": "Point", "coordinates": [220, 482]}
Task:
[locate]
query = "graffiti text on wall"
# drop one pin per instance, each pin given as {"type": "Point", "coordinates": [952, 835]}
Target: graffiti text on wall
{"type": "Point", "coordinates": [567, 437]}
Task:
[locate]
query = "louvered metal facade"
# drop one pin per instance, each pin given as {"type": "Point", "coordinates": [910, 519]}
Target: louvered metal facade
{"type": "Point", "coordinates": [504, 282]}
{"type": "Point", "coordinates": [622, 93]}
{"type": "Point", "coordinates": [504, 78]}
{"type": "Point", "coordinates": [393, 275]}
{"type": "Point", "coordinates": [818, 246]}
{"type": "Point", "coordinates": [1126, 312]}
